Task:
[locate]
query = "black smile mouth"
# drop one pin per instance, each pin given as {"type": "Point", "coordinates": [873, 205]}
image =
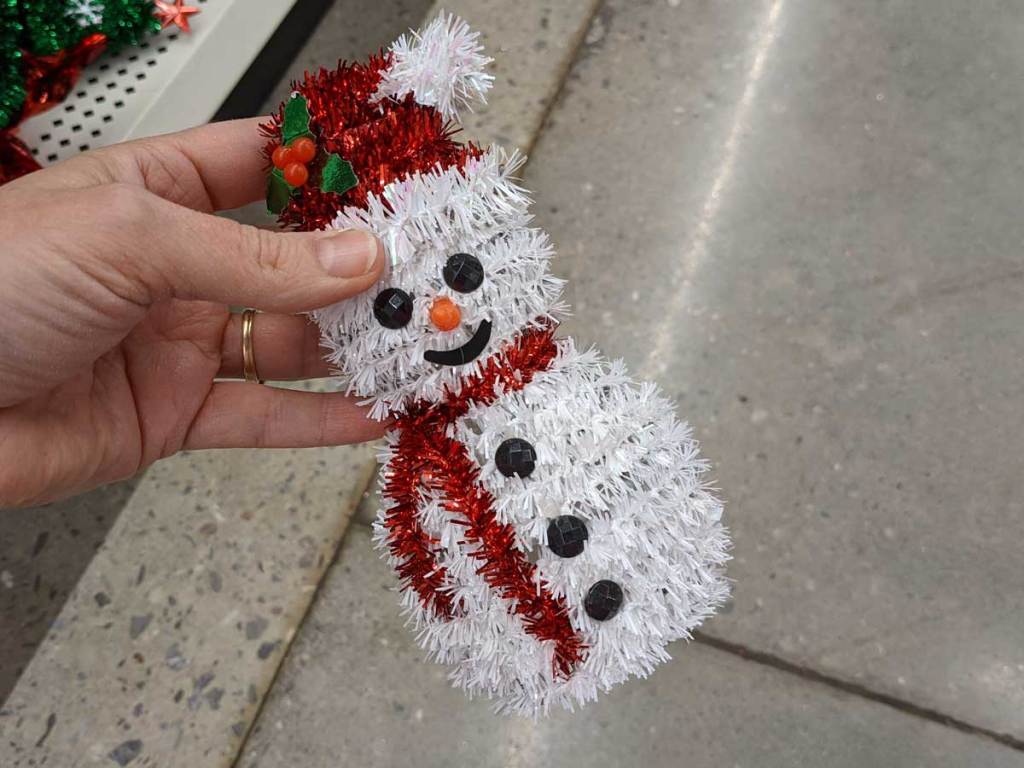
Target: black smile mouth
{"type": "Point", "coordinates": [466, 353]}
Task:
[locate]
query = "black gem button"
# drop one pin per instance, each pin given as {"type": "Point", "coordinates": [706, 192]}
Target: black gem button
{"type": "Point", "coordinates": [567, 536]}
{"type": "Point", "coordinates": [515, 456]}
{"type": "Point", "coordinates": [604, 598]}
{"type": "Point", "coordinates": [463, 272]}
{"type": "Point", "coordinates": [393, 308]}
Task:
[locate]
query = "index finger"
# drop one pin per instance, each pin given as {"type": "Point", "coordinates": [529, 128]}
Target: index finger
{"type": "Point", "coordinates": [210, 168]}
{"type": "Point", "coordinates": [227, 159]}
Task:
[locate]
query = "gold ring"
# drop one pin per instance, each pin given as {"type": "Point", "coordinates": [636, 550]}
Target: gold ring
{"type": "Point", "coordinates": [248, 356]}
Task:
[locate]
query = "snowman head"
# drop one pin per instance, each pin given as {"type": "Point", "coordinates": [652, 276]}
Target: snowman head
{"type": "Point", "coordinates": [466, 272]}
{"type": "Point", "coordinates": [466, 275]}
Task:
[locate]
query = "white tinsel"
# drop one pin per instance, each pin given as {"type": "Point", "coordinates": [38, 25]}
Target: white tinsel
{"type": "Point", "coordinates": [611, 453]}
{"type": "Point", "coordinates": [442, 66]}
{"type": "Point", "coordinates": [422, 220]}
{"type": "Point", "coordinates": [88, 13]}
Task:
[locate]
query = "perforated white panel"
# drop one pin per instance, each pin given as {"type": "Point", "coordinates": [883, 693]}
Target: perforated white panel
{"type": "Point", "coordinates": [173, 81]}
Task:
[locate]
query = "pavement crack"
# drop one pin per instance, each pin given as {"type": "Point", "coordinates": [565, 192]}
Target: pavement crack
{"type": "Point", "coordinates": [856, 689]}
{"type": "Point", "coordinates": [51, 720]}
{"type": "Point", "coordinates": [575, 46]}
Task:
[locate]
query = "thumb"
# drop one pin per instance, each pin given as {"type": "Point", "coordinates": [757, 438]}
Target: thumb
{"type": "Point", "coordinates": [201, 256]}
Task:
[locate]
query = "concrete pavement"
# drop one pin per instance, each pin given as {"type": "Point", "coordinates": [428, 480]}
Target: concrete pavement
{"type": "Point", "coordinates": [801, 218]}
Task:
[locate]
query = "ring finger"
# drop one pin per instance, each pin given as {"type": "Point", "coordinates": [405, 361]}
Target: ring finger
{"type": "Point", "coordinates": [286, 348]}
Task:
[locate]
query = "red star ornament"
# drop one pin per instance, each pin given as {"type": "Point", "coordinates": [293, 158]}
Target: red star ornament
{"type": "Point", "coordinates": [174, 13]}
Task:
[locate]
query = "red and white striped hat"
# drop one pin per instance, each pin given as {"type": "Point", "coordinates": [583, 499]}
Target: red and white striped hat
{"type": "Point", "coordinates": [385, 119]}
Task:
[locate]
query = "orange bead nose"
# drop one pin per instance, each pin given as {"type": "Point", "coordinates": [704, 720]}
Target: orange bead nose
{"type": "Point", "coordinates": [445, 314]}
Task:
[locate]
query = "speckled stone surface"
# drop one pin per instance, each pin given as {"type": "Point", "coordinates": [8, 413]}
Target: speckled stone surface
{"type": "Point", "coordinates": [174, 632]}
{"type": "Point", "coordinates": [533, 45]}
{"type": "Point", "coordinates": [43, 552]}
{"type": "Point", "coordinates": [366, 512]}
{"type": "Point", "coordinates": [355, 690]}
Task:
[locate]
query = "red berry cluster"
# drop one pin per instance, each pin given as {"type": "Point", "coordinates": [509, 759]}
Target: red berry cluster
{"type": "Point", "coordinates": [293, 158]}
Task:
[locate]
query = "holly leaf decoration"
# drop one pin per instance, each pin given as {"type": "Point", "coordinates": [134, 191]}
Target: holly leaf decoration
{"type": "Point", "coordinates": [279, 192]}
{"type": "Point", "coordinates": [337, 175]}
{"type": "Point", "coordinates": [296, 120]}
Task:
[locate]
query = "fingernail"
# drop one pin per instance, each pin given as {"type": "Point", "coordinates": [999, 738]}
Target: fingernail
{"type": "Point", "coordinates": [351, 253]}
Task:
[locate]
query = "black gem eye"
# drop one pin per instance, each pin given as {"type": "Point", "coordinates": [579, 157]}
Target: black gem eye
{"type": "Point", "coordinates": [393, 308]}
{"type": "Point", "coordinates": [567, 535]}
{"type": "Point", "coordinates": [463, 272]}
{"type": "Point", "coordinates": [604, 598]}
{"type": "Point", "coordinates": [515, 456]}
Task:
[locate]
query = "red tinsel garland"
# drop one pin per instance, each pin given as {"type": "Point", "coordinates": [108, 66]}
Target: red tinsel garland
{"type": "Point", "coordinates": [48, 80]}
{"type": "Point", "coordinates": [383, 141]}
{"type": "Point", "coordinates": [427, 457]}
{"type": "Point", "coordinates": [417, 566]}
{"type": "Point", "coordinates": [15, 158]}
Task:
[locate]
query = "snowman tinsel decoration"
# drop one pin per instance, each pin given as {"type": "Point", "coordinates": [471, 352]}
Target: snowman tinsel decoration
{"type": "Point", "coordinates": [547, 516]}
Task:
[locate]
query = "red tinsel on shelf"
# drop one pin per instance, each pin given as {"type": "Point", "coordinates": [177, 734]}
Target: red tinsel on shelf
{"type": "Point", "coordinates": [383, 141]}
{"type": "Point", "coordinates": [49, 79]}
{"type": "Point", "coordinates": [427, 457]}
{"type": "Point", "coordinates": [15, 158]}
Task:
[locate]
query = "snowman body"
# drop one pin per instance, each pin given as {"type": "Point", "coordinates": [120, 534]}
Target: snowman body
{"type": "Point", "coordinates": [546, 515]}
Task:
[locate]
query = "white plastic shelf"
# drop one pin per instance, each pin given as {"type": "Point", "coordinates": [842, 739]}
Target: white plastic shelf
{"type": "Point", "coordinates": [172, 81]}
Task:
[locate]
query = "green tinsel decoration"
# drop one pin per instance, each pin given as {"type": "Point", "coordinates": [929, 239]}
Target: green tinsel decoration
{"type": "Point", "coordinates": [44, 27]}
{"type": "Point", "coordinates": [12, 87]}
{"type": "Point", "coordinates": [51, 27]}
{"type": "Point", "coordinates": [127, 22]}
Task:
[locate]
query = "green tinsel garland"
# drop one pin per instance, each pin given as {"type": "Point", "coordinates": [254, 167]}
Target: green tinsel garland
{"type": "Point", "coordinates": [12, 85]}
{"type": "Point", "coordinates": [44, 27]}
{"type": "Point", "coordinates": [51, 27]}
{"type": "Point", "coordinates": [127, 22]}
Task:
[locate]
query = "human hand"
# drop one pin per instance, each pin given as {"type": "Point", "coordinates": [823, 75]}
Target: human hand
{"type": "Point", "coordinates": [115, 283]}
